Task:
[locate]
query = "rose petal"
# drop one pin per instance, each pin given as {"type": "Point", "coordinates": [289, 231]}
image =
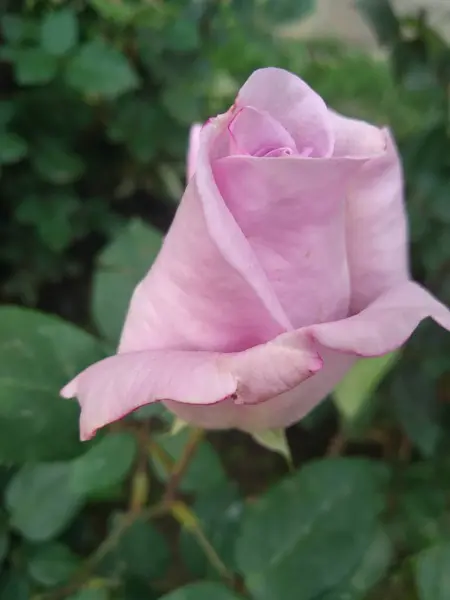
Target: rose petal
{"type": "Point", "coordinates": [377, 228]}
{"type": "Point", "coordinates": [292, 103]}
{"type": "Point", "coordinates": [255, 133]}
{"type": "Point", "coordinates": [116, 386]}
{"type": "Point", "coordinates": [292, 212]}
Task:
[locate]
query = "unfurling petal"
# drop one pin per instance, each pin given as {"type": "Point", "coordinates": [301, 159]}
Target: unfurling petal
{"type": "Point", "coordinates": [116, 386]}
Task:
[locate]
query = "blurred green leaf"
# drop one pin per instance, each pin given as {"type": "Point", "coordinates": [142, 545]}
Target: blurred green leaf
{"type": "Point", "coordinates": [382, 18]}
{"type": "Point", "coordinates": [274, 440]}
{"type": "Point", "coordinates": [418, 411]}
{"type": "Point", "coordinates": [90, 594]}
{"type": "Point", "coordinates": [120, 267]}
{"type": "Point", "coordinates": [56, 163]}
{"type": "Point", "coordinates": [432, 573]}
{"type": "Point", "coordinates": [98, 69]}
{"type": "Point", "coordinates": [307, 534]}
{"type": "Point", "coordinates": [105, 464]}
{"type": "Point", "coordinates": [202, 591]}
{"type": "Point", "coordinates": [41, 501]}
{"type": "Point", "coordinates": [355, 391]}
{"type": "Point", "coordinates": [372, 567]}
{"type": "Point", "coordinates": [122, 13]}
{"type": "Point", "coordinates": [284, 11]}
{"type": "Point", "coordinates": [59, 31]}
{"type": "Point", "coordinates": [7, 112]}
{"type": "Point", "coordinates": [12, 148]}
{"type": "Point", "coordinates": [34, 66]}
{"type": "Point", "coordinates": [421, 518]}
{"type": "Point", "coordinates": [38, 355]}
{"type": "Point", "coordinates": [52, 564]}
{"type": "Point", "coordinates": [205, 470]}
{"type": "Point", "coordinates": [219, 511]}
{"type": "Point", "coordinates": [135, 124]}
{"type": "Point", "coordinates": [143, 552]}
{"type": "Point", "coordinates": [4, 542]}
{"type": "Point", "coordinates": [14, 587]}
{"type": "Point", "coordinates": [17, 28]}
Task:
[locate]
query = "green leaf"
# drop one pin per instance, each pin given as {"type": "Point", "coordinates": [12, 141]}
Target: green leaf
{"type": "Point", "coordinates": [4, 542]}
{"type": "Point", "coordinates": [135, 123]}
{"type": "Point", "coordinates": [432, 573]}
{"type": "Point", "coordinates": [371, 569]}
{"type": "Point", "coordinates": [205, 470]}
{"type": "Point", "coordinates": [285, 11]}
{"type": "Point", "coordinates": [355, 391]}
{"type": "Point", "coordinates": [122, 13]}
{"type": "Point", "coordinates": [219, 511]}
{"type": "Point", "coordinates": [274, 440]}
{"type": "Point", "coordinates": [17, 29]}
{"type": "Point", "coordinates": [12, 148]}
{"type": "Point", "coordinates": [56, 163]}
{"type": "Point", "coordinates": [14, 587]}
{"type": "Point", "coordinates": [52, 564]}
{"type": "Point", "coordinates": [34, 66]}
{"type": "Point", "coordinates": [120, 267]}
{"type": "Point", "coordinates": [382, 18]}
{"type": "Point", "coordinates": [41, 501]}
{"type": "Point", "coordinates": [38, 355]}
{"type": "Point", "coordinates": [105, 464]}
{"type": "Point", "coordinates": [98, 69]}
{"type": "Point", "coordinates": [423, 425]}
{"type": "Point", "coordinates": [306, 535]}
{"type": "Point", "coordinates": [90, 594]}
{"type": "Point", "coordinates": [59, 31]}
{"type": "Point", "coordinates": [143, 552]}
{"type": "Point", "coordinates": [202, 591]}
{"type": "Point", "coordinates": [7, 112]}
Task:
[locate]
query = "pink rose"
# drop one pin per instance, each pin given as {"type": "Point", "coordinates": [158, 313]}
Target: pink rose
{"type": "Point", "coordinates": [286, 261]}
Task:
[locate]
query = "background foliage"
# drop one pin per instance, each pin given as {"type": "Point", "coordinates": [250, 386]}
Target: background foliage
{"type": "Point", "coordinates": [96, 97]}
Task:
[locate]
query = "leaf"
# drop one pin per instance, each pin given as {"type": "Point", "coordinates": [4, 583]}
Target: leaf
{"type": "Point", "coordinates": [423, 424]}
{"type": "Point", "coordinates": [307, 534]}
{"type": "Point", "coordinates": [382, 18]}
{"type": "Point", "coordinates": [7, 112]}
{"type": "Point", "coordinates": [41, 501]}
{"type": "Point", "coordinates": [18, 29]}
{"type": "Point", "coordinates": [274, 440]}
{"type": "Point", "coordinates": [143, 552]}
{"type": "Point", "coordinates": [135, 123]}
{"type": "Point", "coordinates": [34, 66]}
{"type": "Point", "coordinates": [52, 564]}
{"type": "Point", "coordinates": [372, 567]}
{"type": "Point", "coordinates": [56, 163]}
{"type": "Point", "coordinates": [90, 594]}
{"type": "Point", "coordinates": [4, 542]}
{"type": "Point", "coordinates": [12, 148]}
{"type": "Point", "coordinates": [432, 573]}
{"type": "Point", "coordinates": [98, 69]}
{"type": "Point", "coordinates": [285, 11]}
{"type": "Point", "coordinates": [202, 591]}
{"type": "Point", "coordinates": [219, 511]}
{"type": "Point", "coordinates": [38, 355]}
{"type": "Point", "coordinates": [120, 267]}
{"type": "Point", "coordinates": [14, 587]}
{"type": "Point", "coordinates": [205, 470]}
{"type": "Point", "coordinates": [59, 31]}
{"type": "Point", "coordinates": [105, 464]}
{"type": "Point", "coordinates": [354, 392]}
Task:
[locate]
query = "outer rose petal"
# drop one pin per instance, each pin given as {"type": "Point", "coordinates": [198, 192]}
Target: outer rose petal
{"type": "Point", "coordinates": [291, 102]}
{"type": "Point", "coordinates": [268, 379]}
{"type": "Point", "coordinates": [380, 328]}
{"type": "Point", "coordinates": [292, 212]}
{"type": "Point", "coordinates": [193, 147]}
{"type": "Point", "coordinates": [118, 385]}
{"type": "Point", "coordinates": [377, 243]}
